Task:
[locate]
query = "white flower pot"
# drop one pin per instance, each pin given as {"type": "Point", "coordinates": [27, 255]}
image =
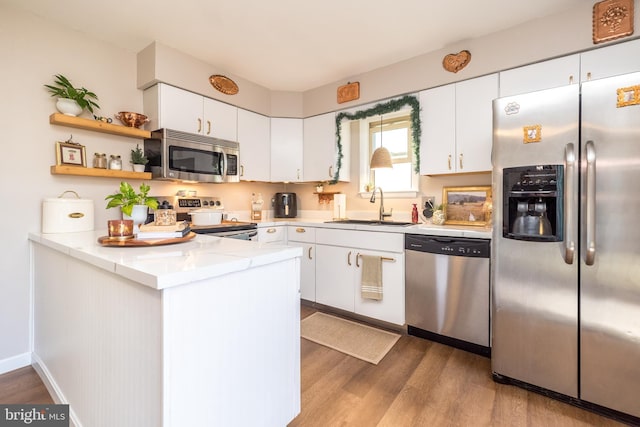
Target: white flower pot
{"type": "Point", "coordinates": [138, 215]}
{"type": "Point", "coordinates": [68, 107]}
{"type": "Point", "coordinates": [138, 168]}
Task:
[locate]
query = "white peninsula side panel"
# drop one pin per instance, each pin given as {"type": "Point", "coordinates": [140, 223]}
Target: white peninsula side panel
{"type": "Point", "coordinates": [219, 351]}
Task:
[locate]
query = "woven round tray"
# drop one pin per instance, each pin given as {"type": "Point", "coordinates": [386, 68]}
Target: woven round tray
{"type": "Point", "coordinates": [223, 84]}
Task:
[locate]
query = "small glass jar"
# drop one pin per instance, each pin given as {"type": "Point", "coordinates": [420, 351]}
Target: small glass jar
{"type": "Point", "coordinates": [100, 161]}
{"type": "Point", "coordinates": [164, 215]}
{"type": "Point", "coordinates": [115, 162]}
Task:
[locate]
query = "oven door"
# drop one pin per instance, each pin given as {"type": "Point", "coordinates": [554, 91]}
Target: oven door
{"type": "Point", "coordinates": [237, 234]}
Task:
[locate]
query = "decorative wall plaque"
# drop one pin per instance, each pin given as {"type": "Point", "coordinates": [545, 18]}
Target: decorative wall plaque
{"type": "Point", "coordinates": [348, 92]}
{"type": "Point", "coordinates": [612, 19]}
{"type": "Point", "coordinates": [223, 84]}
{"type": "Point", "coordinates": [455, 62]}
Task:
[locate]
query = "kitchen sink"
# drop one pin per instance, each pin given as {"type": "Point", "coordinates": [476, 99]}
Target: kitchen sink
{"type": "Point", "coordinates": [369, 222]}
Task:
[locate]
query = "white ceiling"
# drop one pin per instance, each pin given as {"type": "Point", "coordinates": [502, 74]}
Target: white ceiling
{"type": "Point", "coordinates": [292, 45]}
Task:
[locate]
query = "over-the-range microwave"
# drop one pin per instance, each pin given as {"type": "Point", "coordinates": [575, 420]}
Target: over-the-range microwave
{"type": "Point", "coordinates": [182, 156]}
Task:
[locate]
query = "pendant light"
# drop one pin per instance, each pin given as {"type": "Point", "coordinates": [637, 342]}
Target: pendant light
{"type": "Point", "coordinates": [381, 158]}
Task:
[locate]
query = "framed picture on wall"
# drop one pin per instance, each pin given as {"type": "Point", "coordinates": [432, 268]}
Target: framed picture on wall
{"type": "Point", "coordinates": [70, 154]}
{"type": "Point", "coordinates": [467, 205]}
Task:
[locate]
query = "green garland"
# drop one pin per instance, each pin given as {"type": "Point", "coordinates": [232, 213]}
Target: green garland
{"type": "Point", "coordinates": [377, 110]}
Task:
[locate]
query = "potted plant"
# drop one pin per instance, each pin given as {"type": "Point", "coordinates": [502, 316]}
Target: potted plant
{"type": "Point", "coordinates": [72, 101]}
{"type": "Point", "coordinates": [138, 159]}
{"type": "Point", "coordinates": [134, 205]}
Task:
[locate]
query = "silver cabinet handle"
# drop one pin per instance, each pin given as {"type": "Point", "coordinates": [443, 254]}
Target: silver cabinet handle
{"type": "Point", "coordinates": [331, 171]}
{"type": "Point", "coordinates": [349, 258]}
{"type": "Point", "coordinates": [241, 170]}
{"type": "Point", "coordinates": [357, 263]}
{"type": "Point", "coordinates": [199, 125]}
{"type": "Point", "coordinates": [449, 161]}
{"type": "Point", "coordinates": [208, 127]}
{"type": "Point", "coordinates": [309, 254]}
{"type": "Point", "coordinates": [591, 203]}
{"type": "Point", "coordinates": [461, 161]}
{"type": "Point", "coordinates": [569, 209]}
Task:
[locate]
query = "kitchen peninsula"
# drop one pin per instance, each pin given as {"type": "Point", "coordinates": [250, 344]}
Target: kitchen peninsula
{"type": "Point", "coordinates": [200, 333]}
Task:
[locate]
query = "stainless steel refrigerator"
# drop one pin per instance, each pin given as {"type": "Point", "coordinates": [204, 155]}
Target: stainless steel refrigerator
{"type": "Point", "coordinates": [566, 243]}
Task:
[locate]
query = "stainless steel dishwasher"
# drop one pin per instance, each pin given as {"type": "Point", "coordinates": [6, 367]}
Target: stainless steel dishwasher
{"type": "Point", "coordinates": [447, 290]}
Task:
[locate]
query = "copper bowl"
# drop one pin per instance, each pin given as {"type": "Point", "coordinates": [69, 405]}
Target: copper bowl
{"type": "Point", "coordinates": [134, 120]}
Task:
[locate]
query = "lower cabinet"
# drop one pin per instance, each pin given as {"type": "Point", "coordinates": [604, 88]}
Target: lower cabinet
{"type": "Point", "coordinates": [304, 237]}
{"type": "Point", "coordinates": [339, 272]}
{"type": "Point", "coordinates": [272, 234]}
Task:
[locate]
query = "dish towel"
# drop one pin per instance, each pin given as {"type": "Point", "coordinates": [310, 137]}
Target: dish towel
{"type": "Point", "coordinates": [371, 281]}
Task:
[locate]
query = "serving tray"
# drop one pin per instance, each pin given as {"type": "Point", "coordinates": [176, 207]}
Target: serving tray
{"type": "Point", "coordinates": [113, 241]}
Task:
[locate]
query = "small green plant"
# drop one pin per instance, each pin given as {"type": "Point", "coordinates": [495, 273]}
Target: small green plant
{"type": "Point", "coordinates": [127, 198]}
{"type": "Point", "coordinates": [64, 89]}
{"type": "Point", "coordinates": [138, 157]}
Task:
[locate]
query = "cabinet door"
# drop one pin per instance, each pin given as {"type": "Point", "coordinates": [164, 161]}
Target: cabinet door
{"type": "Point", "coordinates": [286, 150]}
{"type": "Point", "coordinates": [254, 134]}
{"type": "Point", "coordinates": [474, 123]}
{"type": "Point", "coordinates": [543, 75]}
{"type": "Point", "coordinates": [180, 109]}
{"type": "Point", "coordinates": [220, 120]}
{"type": "Point", "coordinates": [272, 235]}
{"type": "Point", "coordinates": [610, 61]}
{"type": "Point", "coordinates": [307, 270]}
{"type": "Point", "coordinates": [438, 117]}
{"type": "Point", "coordinates": [391, 307]}
{"type": "Point", "coordinates": [335, 276]}
{"type": "Point", "coordinates": [319, 149]}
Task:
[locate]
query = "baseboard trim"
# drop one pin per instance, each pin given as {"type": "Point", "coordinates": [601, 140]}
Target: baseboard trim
{"type": "Point", "coordinates": [15, 362]}
{"type": "Point", "coordinates": [53, 389]}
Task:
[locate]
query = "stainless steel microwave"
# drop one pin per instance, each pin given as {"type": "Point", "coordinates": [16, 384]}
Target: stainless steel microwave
{"type": "Point", "coordinates": [182, 156]}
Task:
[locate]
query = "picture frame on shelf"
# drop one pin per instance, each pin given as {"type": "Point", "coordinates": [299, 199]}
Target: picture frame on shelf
{"type": "Point", "coordinates": [467, 205]}
{"type": "Point", "coordinates": [70, 154]}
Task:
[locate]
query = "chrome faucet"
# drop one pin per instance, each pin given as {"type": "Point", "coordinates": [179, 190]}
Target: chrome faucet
{"type": "Point", "coordinates": [383, 214]}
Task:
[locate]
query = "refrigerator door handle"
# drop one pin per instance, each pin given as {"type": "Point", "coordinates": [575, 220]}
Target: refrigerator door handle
{"type": "Point", "coordinates": [591, 203]}
{"type": "Point", "coordinates": [569, 211]}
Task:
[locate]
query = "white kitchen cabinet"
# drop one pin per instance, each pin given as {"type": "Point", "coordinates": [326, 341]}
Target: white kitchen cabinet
{"type": "Point", "coordinates": [286, 150]}
{"type": "Point", "coordinates": [305, 238]}
{"type": "Point", "coordinates": [254, 137]}
{"type": "Point", "coordinates": [457, 126]}
{"type": "Point", "coordinates": [339, 272]}
{"type": "Point", "coordinates": [272, 234]}
{"type": "Point", "coordinates": [610, 61]}
{"type": "Point", "coordinates": [173, 108]}
{"type": "Point", "coordinates": [320, 152]}
{"type": "Point", "coordinates": [542, 75]}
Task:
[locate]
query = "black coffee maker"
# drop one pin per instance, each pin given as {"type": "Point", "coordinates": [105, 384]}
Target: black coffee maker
{"type": "Point", "coordinates": [532, 203]}
{"type": "Point", "coordinates": [285, 205]}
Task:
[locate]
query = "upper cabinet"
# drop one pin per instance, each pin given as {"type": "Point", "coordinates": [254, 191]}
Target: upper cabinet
{"type": "Point", "coordinates": [320, 151]}
{"type": "Point", "coordinates": [457, 126]}
{"type": "Point", "coordinates": [610, 61]}
{"type": "Point", "coordinates": [286, 150]}
{"type": "Point", "coordinates": [173, 108]}
{"type": "Point", "coordinates": [254, 136]}
{"type": "Point", "coordinates": [542, 75]}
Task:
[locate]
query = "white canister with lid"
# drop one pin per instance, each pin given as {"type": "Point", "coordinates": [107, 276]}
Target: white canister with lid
{"type": "Point", "coordinates": [66, 215]}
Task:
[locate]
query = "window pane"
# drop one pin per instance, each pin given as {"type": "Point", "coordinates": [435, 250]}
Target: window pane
{"type": "Point", "coordinates": [396, 179]}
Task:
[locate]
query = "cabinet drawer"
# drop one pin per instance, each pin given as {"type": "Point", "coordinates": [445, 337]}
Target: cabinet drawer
{"type": "Point", "coordinates": [301, 234]}
{"type": "Point", "coordinates": [392, 242]}
{"type": "Point", "coordinates": [271, 234]}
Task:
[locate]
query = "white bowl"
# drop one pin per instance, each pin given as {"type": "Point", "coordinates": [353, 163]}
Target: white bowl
{"type": "Point", "coordinates": [205, 217]}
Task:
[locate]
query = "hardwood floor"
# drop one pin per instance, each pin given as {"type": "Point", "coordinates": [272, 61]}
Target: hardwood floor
{"type": "Point", "coordinates": [418, 383]}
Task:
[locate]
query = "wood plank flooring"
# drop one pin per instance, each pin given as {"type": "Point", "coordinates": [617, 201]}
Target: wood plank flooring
{"type": "Point", "coordinates": [418, 383]}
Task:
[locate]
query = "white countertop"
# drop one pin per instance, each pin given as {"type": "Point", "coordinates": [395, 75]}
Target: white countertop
{"type": "Point", "coordinates": [421, 228]}
{"type": "Point", "coordinates": [165, 266]}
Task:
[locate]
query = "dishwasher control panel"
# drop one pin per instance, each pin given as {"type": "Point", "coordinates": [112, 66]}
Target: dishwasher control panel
{"type": "Point", "coordinates": [456, 246]}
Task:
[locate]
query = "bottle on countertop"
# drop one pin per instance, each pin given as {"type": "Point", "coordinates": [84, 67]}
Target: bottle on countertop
{"type": "Point", "coordinates": [414, 214]}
